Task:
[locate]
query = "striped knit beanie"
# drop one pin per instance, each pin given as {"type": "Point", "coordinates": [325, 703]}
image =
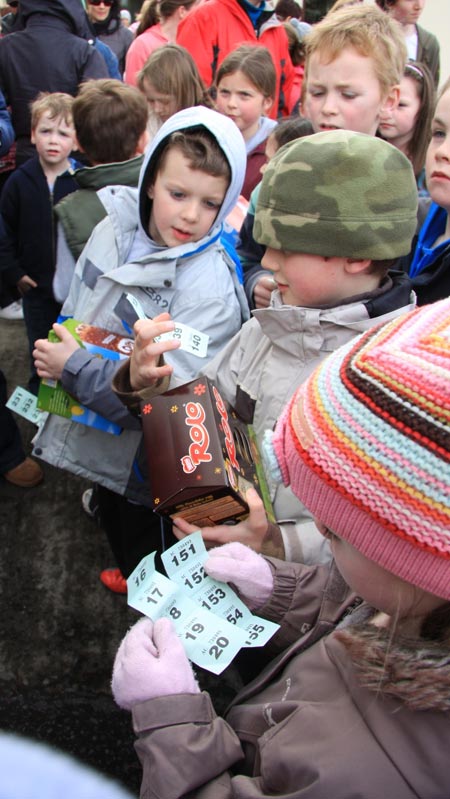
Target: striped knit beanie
{"type": "Point", "coordinates": [365, 445]}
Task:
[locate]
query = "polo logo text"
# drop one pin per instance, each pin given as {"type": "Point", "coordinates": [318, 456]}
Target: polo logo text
{"type": "Point", "coordinates": [198, 450]}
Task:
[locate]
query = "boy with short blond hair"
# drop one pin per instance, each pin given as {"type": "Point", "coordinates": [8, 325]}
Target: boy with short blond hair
{"type": "Point", "coordinates": [27, 205]}
{"type": "Point", "coordinates": [355, 61]}
{"type": "Point", "coordinates": [355, 53]}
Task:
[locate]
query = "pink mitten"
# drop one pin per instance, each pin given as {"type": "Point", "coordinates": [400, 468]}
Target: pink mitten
{"type": "Point", "coordinates": [250, 573]}
{"type": "Point", "coordinates": [151, 662]}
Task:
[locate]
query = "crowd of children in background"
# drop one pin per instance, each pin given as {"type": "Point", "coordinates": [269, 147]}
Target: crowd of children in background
{"type": "Point", "coordinates": [335, 138]}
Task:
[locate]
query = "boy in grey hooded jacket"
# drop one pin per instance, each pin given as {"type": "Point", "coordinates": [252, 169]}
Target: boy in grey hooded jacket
{"type": "Point", "coordinates": [169, 270]}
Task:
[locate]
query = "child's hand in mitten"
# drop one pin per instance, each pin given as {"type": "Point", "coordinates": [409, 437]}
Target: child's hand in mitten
{"type": "Point", "coordinates": [151, 662]}
{"type": "Point", "coordinates": [248, 572]}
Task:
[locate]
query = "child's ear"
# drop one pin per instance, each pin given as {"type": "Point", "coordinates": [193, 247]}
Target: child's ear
{"type": "Point", "coordinates": [391, 100]}
{"type": "Point", "coordinates": [354, 266]}
{"type": "Point", "coordinates": [142, 142]}
{"type": "Point", "coordinates": [267, 104]}
{"type": "Point", "coordinates": [32, 139]}
{"type": "Point", "coordinates": [150, 192]}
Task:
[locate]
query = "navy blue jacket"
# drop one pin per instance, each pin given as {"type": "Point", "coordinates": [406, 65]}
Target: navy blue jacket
{"type": "Point", "coordinates": [26, 206]}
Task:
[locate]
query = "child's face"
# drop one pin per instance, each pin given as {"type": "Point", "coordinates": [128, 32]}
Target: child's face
{"type": "Point", "coordinates": [397, 126]}
{"type": "Point", "coordinates": [163, 105]}
{"type": "Point", "coordinates": [377, 586]}
{"type": "Point", "coordinates": [407, 12]}
{"type": "Point", "coordinates": [437, 163]}
{"type": "Point", "coordinates": [54, 139]}
{"type": "Point", "coordinates": [345, 93]}
{"type": "Point", "coordinates": [241, 101]}
{"type": "Point", "coordinates": [185, 201]}
{"type": "Point", "coordinates": [306, 280]}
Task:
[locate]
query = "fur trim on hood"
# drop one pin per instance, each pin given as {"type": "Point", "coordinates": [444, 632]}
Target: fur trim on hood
{"type": "Point", "coordinates": [414, 671]}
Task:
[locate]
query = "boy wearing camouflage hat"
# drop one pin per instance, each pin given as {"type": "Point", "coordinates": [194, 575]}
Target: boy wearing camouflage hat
{"type": "Point", "coordinates": [335, 209]}
{"type": "Point", "coordinates": [354, 64]}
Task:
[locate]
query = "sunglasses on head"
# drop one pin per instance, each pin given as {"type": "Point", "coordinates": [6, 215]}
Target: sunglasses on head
{"type": "Point", "coordinates": [100, 2]}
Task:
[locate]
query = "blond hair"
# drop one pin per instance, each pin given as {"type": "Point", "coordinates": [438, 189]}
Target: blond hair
{"type": "Point", "coordinates": [55, 104]}
{"type": "Point", "coordinates": [370, 32]}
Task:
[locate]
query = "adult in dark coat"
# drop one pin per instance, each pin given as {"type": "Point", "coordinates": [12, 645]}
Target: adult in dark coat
{"type": "Point", "coordinates": [54, 52]}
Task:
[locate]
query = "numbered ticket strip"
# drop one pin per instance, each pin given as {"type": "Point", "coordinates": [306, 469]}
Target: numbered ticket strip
{"type": "Point", "coordinates": [24, 404]}
{"type": "Point", "coordinates": [210, 620]}
{"type": "Point", "coordinates": [191, 340]}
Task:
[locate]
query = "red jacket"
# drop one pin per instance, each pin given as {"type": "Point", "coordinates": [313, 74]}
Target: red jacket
{"type": "Point", "coordinates": [215, 28]}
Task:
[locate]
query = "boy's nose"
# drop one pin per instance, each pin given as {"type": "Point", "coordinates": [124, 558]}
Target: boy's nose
{"type": "Point", "coordinates": [329, 104]}
{"type": "Point", "coordinates": [190, 211]}
{"type": "Point", "coordinates": [270, 260]}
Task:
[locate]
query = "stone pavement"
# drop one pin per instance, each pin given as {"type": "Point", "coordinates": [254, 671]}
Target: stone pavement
{"type": "Point", "coordinates": [59, 627]}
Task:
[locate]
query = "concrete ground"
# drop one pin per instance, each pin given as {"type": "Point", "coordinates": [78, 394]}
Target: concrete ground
{"type": "Point", "coordinates": [59, 627]}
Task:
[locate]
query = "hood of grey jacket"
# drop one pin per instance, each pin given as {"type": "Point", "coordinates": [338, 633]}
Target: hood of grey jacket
{"type": "Point", "coordinates": [230, 140]}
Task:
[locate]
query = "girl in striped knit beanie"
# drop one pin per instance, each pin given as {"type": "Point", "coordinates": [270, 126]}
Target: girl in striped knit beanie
{"type": "Point", "coordinates": [356, 705]}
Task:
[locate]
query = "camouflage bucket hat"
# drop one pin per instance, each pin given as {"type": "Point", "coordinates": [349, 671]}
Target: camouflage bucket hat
{"type": "Point", "coordinates": [338, 194]}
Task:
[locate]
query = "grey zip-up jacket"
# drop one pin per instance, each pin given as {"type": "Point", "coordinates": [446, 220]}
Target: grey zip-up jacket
{"type": "Point", "coordinates": [259, 370]}
{"type": "Point", "coordinates": [195, 282]}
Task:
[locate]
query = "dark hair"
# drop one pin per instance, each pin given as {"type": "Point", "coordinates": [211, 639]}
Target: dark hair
{"type": "Point", "coordinates": [380, 267]}
{"type": "Point", "coordinates": [288, 8]}
{"type": "Point", "coordinates": [424, 82]}
{"type": "Point", "coordinates": [110, 118]}
{"type": "Point", "coordinates": [290, 129]}
{"type": "Point", "coordinates": [158, 10]}
{"type": "Point", "coordinates": [200, 148]}
{"type": "Point", "coordinates": [171, 70]}
{"type": "Point", "coordinates": [255, 62]}
{"type": "Point", "coordinates": [385, 4]}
